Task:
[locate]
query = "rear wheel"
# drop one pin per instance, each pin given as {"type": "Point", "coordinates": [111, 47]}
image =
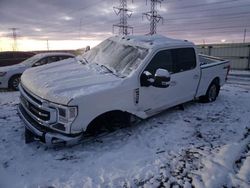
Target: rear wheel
{"type": "Point", "coordinates": [14, 82]}
{"type": "Point", "coordinates": [212, 93]}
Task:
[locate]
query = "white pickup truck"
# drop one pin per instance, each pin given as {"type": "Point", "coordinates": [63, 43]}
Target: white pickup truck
{"type": "Point", "coordinates": [121, 78]}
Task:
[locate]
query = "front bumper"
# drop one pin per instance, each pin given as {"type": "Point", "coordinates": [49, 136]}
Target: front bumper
{"type": "Point", "coordinates": [45, 134]}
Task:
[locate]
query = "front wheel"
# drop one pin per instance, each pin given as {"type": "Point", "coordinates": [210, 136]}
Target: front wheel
{"type": "Point", "coordinates": [212, 93]}
{"type": "Point", "coordinates": [108, 123]}
{"type": "Point", "coordinates": [14, 82]}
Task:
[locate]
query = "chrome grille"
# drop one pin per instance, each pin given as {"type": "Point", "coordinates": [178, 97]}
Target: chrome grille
{"type": "Point", "coordinates": [43, 115]}
{"type": "Point", "coordinates": [37, 109]}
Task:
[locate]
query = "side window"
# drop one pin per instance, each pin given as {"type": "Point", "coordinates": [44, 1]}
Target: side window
{"type": "Point", "coordinates": [184, 59]}
{"type": "Point", "coordinates": [64, 57]}
{"type": "Point", "coordinates": [42, 61]}
{"type": "Point", "coordinates": [53, 59]}
{"type": "Point", "coordinates": [163, 60]}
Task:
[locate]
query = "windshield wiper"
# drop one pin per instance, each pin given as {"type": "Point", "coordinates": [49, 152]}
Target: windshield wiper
{"type": "Point", "coordinates": [111, 70]}
{"type": "Point", "coordinates": [107, 68]}
{"type": "Point", "coordinates": [85, 60]}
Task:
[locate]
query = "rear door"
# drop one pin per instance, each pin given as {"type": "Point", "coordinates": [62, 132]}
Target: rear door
{"type": "Point", "coordinates": [186, 73]}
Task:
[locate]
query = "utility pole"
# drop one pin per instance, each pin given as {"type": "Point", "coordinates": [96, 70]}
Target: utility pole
{"type": "Point", "coordinates": [14, 36]}
{"type": "Point", "coordinates": [245, 33]}
{"type": "Point", "coordinates": [124, 13]}
{"type": "Point", "coordinates": [153, 16]}
{"type": "Point", "coordinates": [47, 44]}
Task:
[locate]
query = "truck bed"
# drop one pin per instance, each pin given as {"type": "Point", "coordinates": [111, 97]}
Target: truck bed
{"type": "Point", "coordinates": [207, 61]}
{"type": "Point", "coordinates": [211, 67]}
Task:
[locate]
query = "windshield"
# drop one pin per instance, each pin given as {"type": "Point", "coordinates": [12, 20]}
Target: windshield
{"type": "Point", "coordinates": [32, 59]}
{"type": "Point", "coordinates": [119, 58]}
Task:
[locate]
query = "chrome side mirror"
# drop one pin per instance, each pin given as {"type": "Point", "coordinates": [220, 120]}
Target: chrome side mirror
{"type": "Point", "coordinates": [162, 78]}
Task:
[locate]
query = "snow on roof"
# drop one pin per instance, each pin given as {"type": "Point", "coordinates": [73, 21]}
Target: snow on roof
{"type": "Point", "coordinates": [151, 41]}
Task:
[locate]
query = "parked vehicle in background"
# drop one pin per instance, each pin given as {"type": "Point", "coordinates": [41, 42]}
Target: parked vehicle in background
{"type": "Point", "coordinates": [121, 78]}
{"type": "Point", "coordinates": [10, 75]}
{"type": "Point", "coordinates": [12, 58]}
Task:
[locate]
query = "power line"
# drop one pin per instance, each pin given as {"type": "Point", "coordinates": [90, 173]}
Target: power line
{"type": "Point", "coordinates": [153, 16]}
{"type": "Point", "coordinates": [210, 28]}
{"type": "Point", "coordinates": [222, 16]}
{"type": "Point", "coordinates": [202, 26]}
{"type": "Point", "coordinates": [212, 9]}
{"type": "Point", "coordinates": [124, 13]}
{"type": "Point", "coordinates": [83, 8]}
{"type": "Point", "coordinates": [206, 4]}
{"type": "Point", "coordinates": [206, 32]}
{"type": "Point", "coordinates": [210, 16]}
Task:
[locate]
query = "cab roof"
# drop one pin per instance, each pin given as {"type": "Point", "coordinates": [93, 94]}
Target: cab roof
{"type": "Point", "coordinates": [152, 41]}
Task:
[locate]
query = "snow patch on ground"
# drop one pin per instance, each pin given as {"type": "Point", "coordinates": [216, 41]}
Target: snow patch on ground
{"type": "Point", "coordinates": [206, 145]}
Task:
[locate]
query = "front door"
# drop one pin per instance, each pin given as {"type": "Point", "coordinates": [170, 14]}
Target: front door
{"type": "Point", "coordinates": [183, 81]}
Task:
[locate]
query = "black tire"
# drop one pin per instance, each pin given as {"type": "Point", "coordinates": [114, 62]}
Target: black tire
{"type": "Point", "coordinates": [108, 123]}
{"type": "Point", "coordinates": [212, 93]}
{"type": "Point", "coordinates": [14, 82]}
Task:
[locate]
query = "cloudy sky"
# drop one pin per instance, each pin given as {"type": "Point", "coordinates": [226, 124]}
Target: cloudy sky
{"type": "Point", "coordinates": [71, 24]}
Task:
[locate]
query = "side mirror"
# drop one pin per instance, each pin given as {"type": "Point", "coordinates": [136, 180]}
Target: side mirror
{"type": "Point", "coordinates": [161, 78]}
{"type": "Point", "coordinates": [147, 79]}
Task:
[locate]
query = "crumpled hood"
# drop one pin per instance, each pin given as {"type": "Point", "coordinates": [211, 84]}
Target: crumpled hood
{"type": "Point", "coordinates": [68, 79]}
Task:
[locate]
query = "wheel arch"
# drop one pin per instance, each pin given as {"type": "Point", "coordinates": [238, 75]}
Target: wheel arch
{"type": "Point", "coordinates": [107, 114]}
{"type": "Point", "coordinates": [12, 77]}
{"type": "Point", "coordinates": [216, 80]}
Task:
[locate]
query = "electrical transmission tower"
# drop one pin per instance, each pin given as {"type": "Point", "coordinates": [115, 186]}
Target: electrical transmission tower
{"type": "Point", "coordinates": [124, 13]}
{"type": "Point", "coordinates": [153, 16]}
{"type": "Point", "coordinates": [14, 35]}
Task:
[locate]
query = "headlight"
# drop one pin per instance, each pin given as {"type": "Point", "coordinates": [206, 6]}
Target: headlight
{"type": "Point", "coordinates": [67, 114]}
{"type": "Point", "coordinates": [72, 112]}
{"type": "Point", "coordinates": [2, 74]}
